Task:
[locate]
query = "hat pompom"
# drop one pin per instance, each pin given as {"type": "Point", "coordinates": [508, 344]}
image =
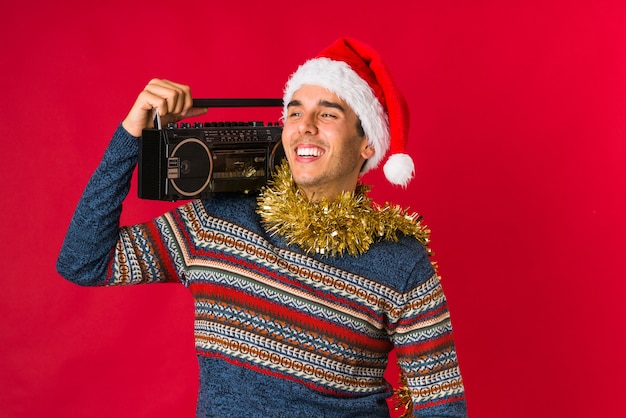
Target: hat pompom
{"type": "Point", "coordinates": [399, 169]}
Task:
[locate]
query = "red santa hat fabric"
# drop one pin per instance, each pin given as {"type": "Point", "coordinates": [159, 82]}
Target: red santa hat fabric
{"type": "Point", "coordinates": [356, 73]}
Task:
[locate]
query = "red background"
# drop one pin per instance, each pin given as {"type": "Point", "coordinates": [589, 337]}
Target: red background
{"type": "Point", "coordinates": [519, 138]}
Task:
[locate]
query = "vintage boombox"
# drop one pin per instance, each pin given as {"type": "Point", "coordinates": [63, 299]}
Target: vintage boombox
{"type": "Point", "coordinates": [204, 159]}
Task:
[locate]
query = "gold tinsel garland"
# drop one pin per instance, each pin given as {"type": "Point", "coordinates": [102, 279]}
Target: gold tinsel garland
{"type": "Point", "coordinates": [349, 224]}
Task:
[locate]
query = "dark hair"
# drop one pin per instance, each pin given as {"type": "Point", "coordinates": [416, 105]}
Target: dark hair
{"type": "Point", "coordinates": [361, 133]}
{"type": "Point", "coordinates": [359, 127]}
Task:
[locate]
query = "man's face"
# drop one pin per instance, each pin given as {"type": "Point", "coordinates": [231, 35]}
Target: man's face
{"type": "Point", "coordinates": [323, 147]}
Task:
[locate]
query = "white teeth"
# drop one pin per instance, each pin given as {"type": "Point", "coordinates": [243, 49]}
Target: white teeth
{"type": "Point", "coordinates": [309, 152]}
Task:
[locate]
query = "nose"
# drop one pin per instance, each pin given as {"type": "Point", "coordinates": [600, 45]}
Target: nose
{"type": "Point", "coordinates": [307, 125]}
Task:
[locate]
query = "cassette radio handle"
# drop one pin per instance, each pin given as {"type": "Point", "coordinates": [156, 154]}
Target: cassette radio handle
{"type": "Point", "coordinates": [237, 102]}
{"type": "Point", "coordinates": [227, 103]}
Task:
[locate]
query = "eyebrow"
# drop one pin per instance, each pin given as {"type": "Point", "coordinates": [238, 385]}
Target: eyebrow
{"type": "Point", "coordinates": [323, 103]}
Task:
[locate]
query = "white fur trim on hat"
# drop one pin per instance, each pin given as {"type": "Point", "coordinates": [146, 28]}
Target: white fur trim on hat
{"type": "Point", "coordinates": [399, 169]}
{"type": "Point", "coordinates": [338, 78]}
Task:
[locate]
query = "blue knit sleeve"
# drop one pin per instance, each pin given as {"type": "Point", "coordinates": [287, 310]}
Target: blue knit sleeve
{"type": "Point", "coordinates": [93, 230]}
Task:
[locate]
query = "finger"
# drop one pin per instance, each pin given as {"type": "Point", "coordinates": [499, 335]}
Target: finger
{"type": "Point", "coordinates": [196, 111]}
{"type": "Point", "coordinates": [157, 95]}
{"type": "Point", "coordinates": [177, 96]}
{"type": "Point", "coordinates": [148, 101]}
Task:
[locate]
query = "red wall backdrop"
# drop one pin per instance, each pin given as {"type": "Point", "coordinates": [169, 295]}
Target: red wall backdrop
{"type": "Point", "coordinates": [518, 133]}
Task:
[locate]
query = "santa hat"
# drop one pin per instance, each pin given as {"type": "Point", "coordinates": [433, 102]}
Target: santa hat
{"type": "Point", "coordinates": [356, 73]}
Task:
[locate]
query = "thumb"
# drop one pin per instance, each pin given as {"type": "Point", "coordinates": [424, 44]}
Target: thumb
{"type": "Point", "coordinates": [195, 111]}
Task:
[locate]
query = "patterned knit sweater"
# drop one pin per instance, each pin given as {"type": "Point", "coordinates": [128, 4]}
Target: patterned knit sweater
{"type": "Point", "coordinates": [277, 331]}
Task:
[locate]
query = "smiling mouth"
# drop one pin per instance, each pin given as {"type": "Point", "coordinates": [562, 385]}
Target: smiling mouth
{"type": "Point", "coordinates": [307, 152]}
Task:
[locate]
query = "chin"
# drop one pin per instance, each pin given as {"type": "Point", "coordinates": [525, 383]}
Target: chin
{"type": "Point", "coordinates": [302, 174]}
{"type": "Point", "coordinates": [303, 180]}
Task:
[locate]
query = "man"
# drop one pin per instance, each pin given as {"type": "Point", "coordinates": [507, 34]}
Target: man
{"type": "Point", "coordinates": [300, 293]}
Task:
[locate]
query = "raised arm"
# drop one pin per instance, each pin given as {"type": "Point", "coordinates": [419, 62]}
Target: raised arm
{"type": "Point", "coordinates": [95, 228]}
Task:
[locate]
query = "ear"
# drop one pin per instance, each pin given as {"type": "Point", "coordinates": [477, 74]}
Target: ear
{"type": "Point", "coordinates": [368, 151]}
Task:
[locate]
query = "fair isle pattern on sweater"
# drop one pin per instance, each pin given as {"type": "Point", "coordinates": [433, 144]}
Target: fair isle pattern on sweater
{"type": "Point", "coordinates": [288, 315]}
